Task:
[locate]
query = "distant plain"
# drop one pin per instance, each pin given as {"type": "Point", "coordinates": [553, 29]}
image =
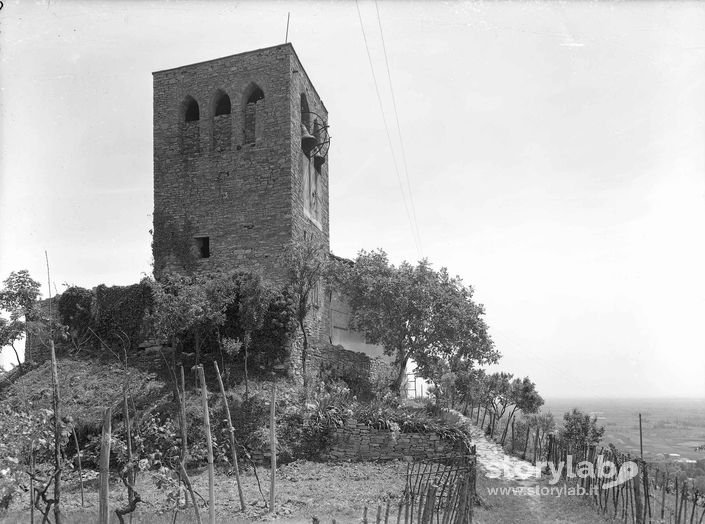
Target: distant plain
{"type": "Point", "coordinates": [668, 425]}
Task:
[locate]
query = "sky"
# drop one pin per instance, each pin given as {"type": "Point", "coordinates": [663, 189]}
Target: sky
{"type": "Point", "coordinates": [551, 154]}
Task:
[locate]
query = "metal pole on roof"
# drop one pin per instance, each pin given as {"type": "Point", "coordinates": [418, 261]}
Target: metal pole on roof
{"type": "Point", "coordinates": [286, 38]}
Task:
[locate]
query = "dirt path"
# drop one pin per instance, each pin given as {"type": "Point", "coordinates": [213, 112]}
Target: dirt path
{"type": "Point", "coordinates": [512, 491]}
{"type": "Point", "coordinates": [495, 463]}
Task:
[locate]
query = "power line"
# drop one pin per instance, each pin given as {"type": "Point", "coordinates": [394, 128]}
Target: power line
{"type": "Point", "coordinates": [386, 128]}
{"type": "Point", "coordinates": [401, 140]}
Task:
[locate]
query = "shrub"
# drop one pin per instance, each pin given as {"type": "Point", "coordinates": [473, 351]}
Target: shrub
{"type": "Point", "coordinates": [385, 415]}
{"type": "Point", "coordinates": [330, 405]}
{"type": "Point", "coordinates": [24, 432]}
{"type": "Point", "coordinates": [121, 311]}
{"type": "Point", "coordinates": [269, 343]}
{"type": "Point", "coordinates": [306, 432]}
{"type": "Point", "coordinates": [357, 381]}
{"type": "Point", "coordinates": [75, 312]}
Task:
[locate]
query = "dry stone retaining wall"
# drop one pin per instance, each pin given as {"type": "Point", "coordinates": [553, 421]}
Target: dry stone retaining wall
{"type": "Point", "coordinates": [359, 442]}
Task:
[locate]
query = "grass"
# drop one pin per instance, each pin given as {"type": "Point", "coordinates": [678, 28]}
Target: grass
{"type": "Point", "coordinates": [87, 387]}
{"type": "Point", "coordinates": [304, 489]}
{"type": "Point", "coordinates": [329, 491]}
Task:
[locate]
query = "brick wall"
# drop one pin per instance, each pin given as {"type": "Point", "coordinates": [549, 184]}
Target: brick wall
{"type": "Point", "coordinates": [359, 442]}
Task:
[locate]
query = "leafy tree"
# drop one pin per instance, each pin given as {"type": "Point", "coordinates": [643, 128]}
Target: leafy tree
{"type": "Point", "coordinates": [459, 381]}
{"type": "Point", "coordinates": [581, 429]}
{"type": "Point", "coordinates": [18, 298]}
{"type": "Point", "coordinates": [183, 308]}
{"type": "Point", "coordinates": [416, 313]}
{"type": "Point", "coordinates": [546, 424]}
{"type": "Point", "coordinates": [306, 264]}
{"type": "Point", "coordinates": [225, 307]}
{"type": "Point", "coordinates": [20, 293]}
{"type": "Point", "coordinates": [522, 396]}
{"type": "Point", "coordinates": [247, 298]}
{"type": "Point", "coordinates": [11, 331]}
{"type": "Point", "coordinates": [499, 396]}
{"type": "Point", "coordinates": [477, 387]}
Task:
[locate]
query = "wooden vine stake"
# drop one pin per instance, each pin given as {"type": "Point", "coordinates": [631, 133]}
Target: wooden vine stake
{"type": "Point", "coordinates": [512, 436]}
{"type": "Point", "coordinates": [56, 406]}
{"type": "Point", "coordinates": [209, 442]}
{"type": "Point", "coordinates": [180, 397]}
{"type": "Point", "coordinates": [80, 469]}
{"type": "Point", "coordinates": [31, 483]}
{"type": "Point", "coordinates": [231, 429]}
{"type": "Point", "coordinates": [536, 444]}
{"type": "Point", "coordinates": [129, 474]}
{"type": "Point", "coordinates": [182, 409]}
{"type": "Point", "coordinates": [638, 509]}
{"type": "Point", "coordinates": [273, 444]}
{"type": "Point", "coordinates": [104, 509]}
{"type": "Point", "coordinates": [186, 480]}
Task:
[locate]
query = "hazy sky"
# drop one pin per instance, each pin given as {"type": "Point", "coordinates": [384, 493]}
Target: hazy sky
{"type": "Point", "coordinates": [555, 153]}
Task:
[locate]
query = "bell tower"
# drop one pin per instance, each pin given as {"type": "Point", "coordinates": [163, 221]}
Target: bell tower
{"type": "Point", "coordinates": [240, 162]}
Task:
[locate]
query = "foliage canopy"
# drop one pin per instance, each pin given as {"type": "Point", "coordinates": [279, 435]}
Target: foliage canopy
{"type": "Point", "coordinates": [415, 312]}
{"type": "Point", "coordinates": [580, 428]}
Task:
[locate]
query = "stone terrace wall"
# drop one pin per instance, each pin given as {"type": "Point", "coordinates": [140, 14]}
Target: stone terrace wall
{"type": "Point", "coordinates": [360, 442]}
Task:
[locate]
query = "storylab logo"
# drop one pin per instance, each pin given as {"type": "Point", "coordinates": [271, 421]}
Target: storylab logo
{"type": "Point", "coordinates": [603, 469]}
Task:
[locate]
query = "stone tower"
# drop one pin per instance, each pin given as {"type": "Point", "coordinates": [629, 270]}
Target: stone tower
{"type": "Point", "coordinates": [239, 170]}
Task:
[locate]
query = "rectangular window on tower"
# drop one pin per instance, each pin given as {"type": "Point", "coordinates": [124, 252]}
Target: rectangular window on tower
{"type": "Point", "coordinates": [203, 247]}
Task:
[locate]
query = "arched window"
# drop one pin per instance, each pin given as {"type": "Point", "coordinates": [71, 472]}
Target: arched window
{"type": "Point", "coordinates": [222, 104]}
{"type": "Point", "coordinates": [221, 121]}
{"type": "Point", "coordinates": [191, 129]}
{"type": "Point", "coordinates": [252, 108]}
{"type": "Point", "coordinates": [191, 112]}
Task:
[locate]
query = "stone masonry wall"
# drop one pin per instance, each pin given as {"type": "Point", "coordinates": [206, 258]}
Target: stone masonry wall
{"type": "Point", "coordinates": [238, 196]}
{"type": "Point", "coordinates": [327, 360]}
{"type": "Point", "coordinates": [359, 442]}
{"type": "Point", "coordinates": [246, 197]}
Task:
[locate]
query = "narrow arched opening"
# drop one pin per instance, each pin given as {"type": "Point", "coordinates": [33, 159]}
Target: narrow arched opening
{"type": "Point", "coordinates": [222, 121]}
{"type": "Point", "coordinates": [253, 113]}
{"type": "Point", "coordinates": [191, 111]}
{"type": "Point", "coordinates": [222, 104]}
{"type": "Point", "coordinates": [190, 135]}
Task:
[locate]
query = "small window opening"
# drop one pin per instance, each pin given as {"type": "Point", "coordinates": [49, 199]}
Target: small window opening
{"type": "Point", "coordinates": [192, 113]}
{"type": "Point", "coordinates": [222, 107]}
{"type": "Point", "coordinates": [203, 247]}
{"type": "Point", "coordinates": [251, 115]}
